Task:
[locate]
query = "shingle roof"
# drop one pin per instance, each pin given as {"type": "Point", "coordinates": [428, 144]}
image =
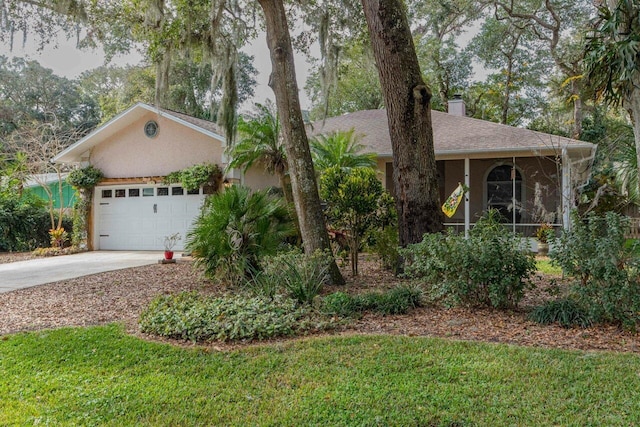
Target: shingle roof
{"type": "Point", "coordinates": [201, 123]}
{"type": "Point", "coordinates": [453, 135]}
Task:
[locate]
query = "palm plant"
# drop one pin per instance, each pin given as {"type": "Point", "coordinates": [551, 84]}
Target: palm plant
{"type": "Point", "coordinates": [259, 142]}
{"type": "Point", "coordinates": [626, 171]}
{"type": "Point", "coordinates": [612, 61]}
{"type": "Point", "coordinates": [235, 229]}
{"type": "Point", "coordinates": [340, 148]}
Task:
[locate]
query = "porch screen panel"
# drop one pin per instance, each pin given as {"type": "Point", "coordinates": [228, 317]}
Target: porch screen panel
{"type": "Point", "coordinates": [500, 191]}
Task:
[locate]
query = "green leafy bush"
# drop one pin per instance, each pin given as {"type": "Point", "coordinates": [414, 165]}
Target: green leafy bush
{"type": "Point", "coordinates": [24, 224]}
{"type": "Point", "coordinates": [190, 316]}
{"type": "Point", "coordinates": [564, 311]}
{"type": "Point", "coordinates": [398, 300]}
{"type": "Point", "coordinates": [386, 246]}
{"type": "Point", "coordinates": [490, 268]}
{"type": "Point", "coordinates": [85, 178]}
{"type": "Point", "coordinates": [342, 304]}
{"type": "Point", "coordinates": [604, 266]}
{"type": "Point", "coordinates": [235, 229]}
{"type": "Point", "coordinates": [193, 177]}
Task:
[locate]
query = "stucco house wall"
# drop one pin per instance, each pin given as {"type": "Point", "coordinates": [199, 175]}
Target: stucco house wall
{"type": "Point", "coordinates": [258, 178]}
{"type": "Point", "coordinates": [130, 153]}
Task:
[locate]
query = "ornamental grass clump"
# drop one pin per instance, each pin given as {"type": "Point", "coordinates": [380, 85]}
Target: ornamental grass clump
{"type": "Point", "coordinates": [490, 268]}
{"type": "Point", "coordinates": [564, 311]}
{"type": "Point", "coordinates": [299, 276]}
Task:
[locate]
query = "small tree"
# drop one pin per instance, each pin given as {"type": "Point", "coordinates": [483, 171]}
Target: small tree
{"type": "Point", "coordinates": [33, 146]}
{"type": "Point", "coordinates": [259, 141]}
{"type": "Point", "coordinates": [352, 200]}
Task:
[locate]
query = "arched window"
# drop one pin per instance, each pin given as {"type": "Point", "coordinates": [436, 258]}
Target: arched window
{"type": "Point", "coordinates": [500, 187]}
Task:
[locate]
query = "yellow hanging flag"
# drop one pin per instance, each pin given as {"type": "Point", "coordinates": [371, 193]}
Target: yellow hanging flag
{"type": "Point", "coordinates": [453, 201]}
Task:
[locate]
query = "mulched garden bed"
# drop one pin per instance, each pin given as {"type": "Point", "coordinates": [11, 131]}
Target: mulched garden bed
{"type": "Point", "coordinates": [120, 296]}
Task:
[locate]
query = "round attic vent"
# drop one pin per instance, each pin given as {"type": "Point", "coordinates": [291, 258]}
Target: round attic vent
{"type": "Point", "coordinates": [151, 128]}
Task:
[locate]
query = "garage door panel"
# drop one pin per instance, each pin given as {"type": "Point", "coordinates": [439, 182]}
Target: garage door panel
{"type": "Point", "coordinates": [141, 223]}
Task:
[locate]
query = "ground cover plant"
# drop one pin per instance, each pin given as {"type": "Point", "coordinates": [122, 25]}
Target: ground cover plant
{"type": "Point", "coordinates": [195, 317]}
{"type": "Point", "coordinates": [101, 376]}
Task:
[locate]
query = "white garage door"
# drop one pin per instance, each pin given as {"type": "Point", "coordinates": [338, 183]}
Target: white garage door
{"type": "Point", "coordinates": [138, 217]}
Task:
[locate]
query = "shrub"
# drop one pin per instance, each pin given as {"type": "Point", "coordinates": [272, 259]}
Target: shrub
{"type": "Point", "coordinates": [386, 245]}
{"type": "Point", "coordinates": [606, 271]}
{"type": "Point", "coordinates": [490, 268]}
{"type": "Point", "coordinates": [24, 224]}
{"type": "Point", "coordinates": [190, 316]}
{"type": "Point", "coordinates": [235, 229]}
{"type": "Point", "coordinates": [398, 300]}
{"type": "Point", "coordinates": [342, 304]}
{"type": "Point", "coordinates": [565, 311]}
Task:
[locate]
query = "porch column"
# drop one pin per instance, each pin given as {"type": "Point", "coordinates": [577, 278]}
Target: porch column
{"type": "Point", "coordinates": [467, 207]}
{"type": "Point", "coordinates": [567, 193]}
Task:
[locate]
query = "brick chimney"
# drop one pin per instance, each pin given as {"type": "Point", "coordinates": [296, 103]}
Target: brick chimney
{"type": "Point", "coordinates": [456, 106]}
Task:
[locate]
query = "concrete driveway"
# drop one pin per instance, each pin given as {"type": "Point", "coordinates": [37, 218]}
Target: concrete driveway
{"type": "Point", "coordinates": [23, 274]}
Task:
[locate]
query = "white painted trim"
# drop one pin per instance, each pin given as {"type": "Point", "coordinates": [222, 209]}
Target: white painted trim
{"type": "Point", "coordinates": [567, 196]}
{"type": "Point", "coordinates": [467, 203]}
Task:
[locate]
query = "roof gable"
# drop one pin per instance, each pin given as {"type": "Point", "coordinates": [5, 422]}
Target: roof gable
{"type": "Point", "coordinates": [137, 112]}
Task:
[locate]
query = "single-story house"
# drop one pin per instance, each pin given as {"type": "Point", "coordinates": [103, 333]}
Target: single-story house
{"type": "Point", "coordinates": [494, 161]}
{"type": "Point", "coordinates": [133, 209]}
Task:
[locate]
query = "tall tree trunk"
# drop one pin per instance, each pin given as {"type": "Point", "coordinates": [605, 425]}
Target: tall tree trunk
{"type": "Point", "coordinates": [631, 103]}
{"type": "Point", "coordinates": [407, 99]}
{"type": "Point", "coordinates": [507, 94]}
{"type": "Point", "coordinates": [303, 180]}
{"type": "Point", "coordinates": [576, 88]}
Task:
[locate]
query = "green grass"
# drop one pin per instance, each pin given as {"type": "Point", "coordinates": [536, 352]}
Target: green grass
{"type": "Point", "coordinates": [101, 376]}
{"type": "Point", "coordinates": [545, 266]}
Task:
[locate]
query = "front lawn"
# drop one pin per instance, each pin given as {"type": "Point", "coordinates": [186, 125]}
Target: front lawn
{"type": "Point", "coordinates": [101, 376]}
{"type": "Point", "coordinates": [544, 266]}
